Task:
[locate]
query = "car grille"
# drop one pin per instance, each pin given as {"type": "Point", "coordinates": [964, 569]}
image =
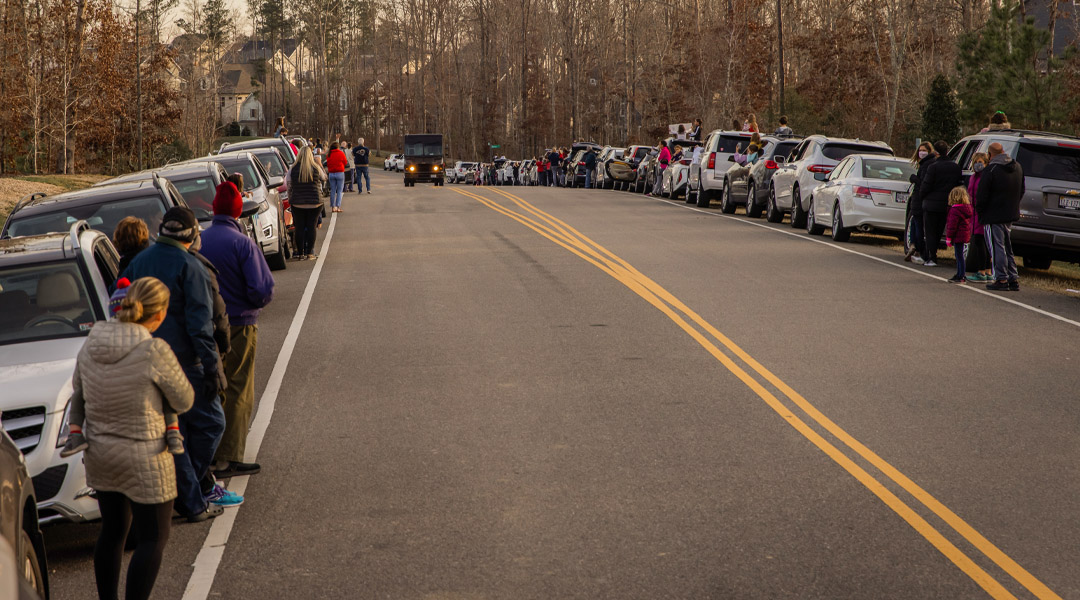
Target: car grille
{"type": "Point", "coordinates": [24, 425]}
{"type": "Point", "coordinates": [47, 483]}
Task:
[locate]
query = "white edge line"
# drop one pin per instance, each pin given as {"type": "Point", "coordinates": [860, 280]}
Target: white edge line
{"type": "Point", "coordinates": [800, 236]}
{"type": "Point", "coordinates": [209, 558]}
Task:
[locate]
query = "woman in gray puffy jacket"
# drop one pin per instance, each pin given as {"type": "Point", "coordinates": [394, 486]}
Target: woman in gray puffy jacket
{"type": "Point", "coordinates": [126, 378]}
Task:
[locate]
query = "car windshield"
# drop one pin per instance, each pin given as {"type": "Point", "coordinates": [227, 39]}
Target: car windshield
{"type": "Point", "coordinates": [245, 168]}
{"type": "Point", "coordinates": [198, 192]}
{"type": "Point", "coordinates": [1059, 163]}
{"type": "Point", "coordinates": [841, 151]}
{"type": "Point", "coordinates": [272, 162]}
{"type": "Point", "coordinates": [893, 170]}
{"type": "Point", "coordinates": [641, 152]}
{"type": "Point", "coordinates": [727, 143]}
{"type": "Point", "coordinates": [423, 149]}
{"type": "Point", "coordinates": [43, 301]}
{"type": "Point", "coordinates": [102, 217]}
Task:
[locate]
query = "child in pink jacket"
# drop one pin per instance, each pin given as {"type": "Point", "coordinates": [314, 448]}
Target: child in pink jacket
{"type": "Point", "coordinates": [958, 228]}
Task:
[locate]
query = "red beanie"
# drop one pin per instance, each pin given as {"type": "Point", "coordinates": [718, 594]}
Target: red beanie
{"type": "Point", "coordinates": [227, 200]}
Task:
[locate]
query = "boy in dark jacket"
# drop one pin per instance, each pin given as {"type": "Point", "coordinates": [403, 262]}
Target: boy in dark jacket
{"type": "Point", "coordinates": [247, 286]}
{"type": "Point", "coordinates": [997, 203]}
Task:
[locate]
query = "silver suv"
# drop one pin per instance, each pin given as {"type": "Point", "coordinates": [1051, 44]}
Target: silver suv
{"type": "Point", "coordinates": [53, 288]}
{"type": "Point", "coordinates": [809, 165]}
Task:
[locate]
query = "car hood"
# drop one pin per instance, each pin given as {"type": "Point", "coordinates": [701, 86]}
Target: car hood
{"type": "Point", "coordinates": [37, 372]}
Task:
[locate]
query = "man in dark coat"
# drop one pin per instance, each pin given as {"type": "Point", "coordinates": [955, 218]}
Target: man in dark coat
{"type": "Point", "coordinates": [997, 202]}
{"type": "Point", "coordinates": [940, 179]}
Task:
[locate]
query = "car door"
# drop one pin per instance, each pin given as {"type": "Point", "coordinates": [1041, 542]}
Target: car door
{"type": "Point", "coordinates": [826, 195]}
{"type": "Point", "coordinates": [784, 178]}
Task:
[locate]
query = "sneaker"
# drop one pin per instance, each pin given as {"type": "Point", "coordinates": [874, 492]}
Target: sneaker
{"type": "Point", "coordinates": [369, 191]}
{"type": "Point", "coordinates": [212, 510]}
{"type": "Point", "coordinates": [975, 278]}
{"type": "Point", "coordinates": [917, 260]}
{"type": "Point", "coordinates": [1014, 286]}
{"type": "Point", "coordinates": [174, 441]}
{"type": "Point", "coordinates": [312, 256]}
{"type": "Point", "coordinates": [929, 263]}
{"type": "Point", "coordinates": [235, 469]}
{"type": "Point", "coordinates": [75, 444]}
{"type": "Point", "coordinates": [909, 254]}
{"type": "Point", "coordinates": [999, 286]}
{"type": "Point", "coordinates": [956, 279]}
{"type": "Point", "coordinates": [222, 497]}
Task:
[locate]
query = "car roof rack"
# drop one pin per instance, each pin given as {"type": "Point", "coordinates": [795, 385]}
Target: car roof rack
{"type": "Point", "coordinates": [27, 199]}
{"type": "Point", "coordinates": [76, 230]}
{"type": "Point", "coordinates": [1027, 132]}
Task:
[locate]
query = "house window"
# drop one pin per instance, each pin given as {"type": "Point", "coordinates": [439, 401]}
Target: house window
{"type": "Point", "coordinates": [223, 102]}
{"type": "Point", "coordinates": [254, 114]}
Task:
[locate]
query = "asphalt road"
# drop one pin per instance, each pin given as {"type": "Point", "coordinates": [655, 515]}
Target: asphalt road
{"type": "Point", "coordinates": [487, 405]}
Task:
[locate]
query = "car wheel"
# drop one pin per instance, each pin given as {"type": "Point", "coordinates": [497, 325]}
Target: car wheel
{"type": "Point", "coordinates": [753, 209]}
{"type": "Point", "coordinates": [1037, 262]}
{"type": "Point", "coordinates": [839, 232]}
{"type": "Point", "coordinates": [798, 216]}
{"type": "Point", "coordinates": [773, 214]}
{"type": "Point", "coordinates": [812, 228]}
{"type": "Point", "coordinates": [691, 195]}
{"type": "Point", "coordinates": [727, 205]}
{"type": "Point", "coordinates": [31, 564]}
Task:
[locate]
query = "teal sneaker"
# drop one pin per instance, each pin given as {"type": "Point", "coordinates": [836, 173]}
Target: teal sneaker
{"type": "Point", "coordinates": [223, 497]}
{"type": "Point", "coordinates": [975, 278]}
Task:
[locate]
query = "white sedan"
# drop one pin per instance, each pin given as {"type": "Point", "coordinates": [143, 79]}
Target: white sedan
{"type": "Point", "coordinates": [865, 192]}
{"type": "Point", "coordinates": [390, 163]}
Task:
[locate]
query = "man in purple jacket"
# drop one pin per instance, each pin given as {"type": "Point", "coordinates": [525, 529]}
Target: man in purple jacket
{"type": "Point", "coordinates": [247, 286]}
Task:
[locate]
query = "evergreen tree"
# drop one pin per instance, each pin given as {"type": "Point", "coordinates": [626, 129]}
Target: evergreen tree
{"type": "Point", "coordinates": [217, 24]}
{"type": "Point", "coordinates": [940, 116]}
{"type": "Point", "coordinates": [1008, 66]}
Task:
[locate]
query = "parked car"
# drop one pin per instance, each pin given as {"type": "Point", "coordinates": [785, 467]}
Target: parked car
{"type": "Point", "coordinates": [604, 179]}
{"type": "Point", "coordinates": [283, 146]}
{"type": "Point", "coordinates": [1049, 226]}
{"type": "Point", "coordinates": [102, 207]}
{"type": "Point", "coordinates": [623, 169]}
{"type": "Point", "coordinates": [865, 192]}
{"type": "Point", "coordinates": [575, 166]}
{"type": "Point", "coordinates": [27, 573]}
{"type": "Point", "coordinates": [390, 164]}
{"type": "Point", "coordinates": [810, 164]}
{"type": "Point", "coordinates": [706, 177]}
{"type": "Point", "coordinates": [399, 163]}
{"type": "Point", "coordinates": [677, 175]}
{"type": "Point", "coordinates": [460, 172]}
{"type": "Point", "coordinates": [527, 172]}
{"type": "Point", "coordinates": [739, 180]}
{"type": "Point", "coordinates": [269, 220]}
{"type": "Point", "coordinates": [646, 172]}
{"type": "Point", "coordinates": [505, 174]}
{"type": "Point", "coordinates": [54, 288]}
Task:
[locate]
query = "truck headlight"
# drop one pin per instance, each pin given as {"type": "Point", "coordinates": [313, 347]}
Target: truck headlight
{"type": "Point", "coordinates": [436, 167]}
{"type": "Point", "coordinates": [412, 168]}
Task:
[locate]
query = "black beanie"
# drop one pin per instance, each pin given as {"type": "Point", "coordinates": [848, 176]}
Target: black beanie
{"type": "Point", "coordinates": [180, 224]}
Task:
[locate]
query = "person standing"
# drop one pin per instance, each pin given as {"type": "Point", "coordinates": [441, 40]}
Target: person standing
{"type": "Point", "coordinates": [958, 229]}
{"type": "Point", "coordinates": [335, 167]}
{"type": "Point", "coordinates": [941, 178]}
{"type": "Point", "coordinates": [695, 134]}
{"type": "Point", "coordinates": [188, 328]}
{"type": "Point", "coordinates": [590, 167]}
{"type": "Point", "coordinates": [350, 166]}
{"type": "Point", "coordinates": [978, 256]}
{"type": "Point", "coordinates": [923, 158]}
{"type": "Point", "coordinates": [131, 237]}
{"type": "Point", "coordinates": [553, 166]}
{"type": "Point", "coordinates": [127, 380]}
{"type": "Point", "coordinates": [247, 287]}
{"type": "Point", "coordinates": [997, 203]}
{"type": "Point", "coordinates": [783, 130]}
{"type": "Point", "coordinates": [280, 131]}
{"type": "Point", "coordinates": [361, 155]}
{"type": "Point", "coordinates": [305, 182]}
{"type": "Point", "coordinates": [663, 159]}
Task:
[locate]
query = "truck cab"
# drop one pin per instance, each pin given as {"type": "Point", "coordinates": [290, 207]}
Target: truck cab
{"type": "Point", "coordinates": [424, 159]}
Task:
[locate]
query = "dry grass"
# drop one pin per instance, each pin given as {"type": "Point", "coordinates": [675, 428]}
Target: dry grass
{"type": "Point", "coordinates": [14, 188]}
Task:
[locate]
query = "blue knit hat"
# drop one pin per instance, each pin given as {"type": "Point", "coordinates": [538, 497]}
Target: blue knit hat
{"type": "Point", "coordinates": [118, 296]}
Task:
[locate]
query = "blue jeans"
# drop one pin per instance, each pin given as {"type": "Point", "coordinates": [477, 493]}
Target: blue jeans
{"type": "Point", "coordinates": [958, 251]}
{"type": "Point", "coordinates": [202, 427]}
{"type": "Point", "coordinates": [588, 178]}
{"type": "Point", "coordinates": [362, 172]}
{"type": "Point", "coordinates": [337, 185]}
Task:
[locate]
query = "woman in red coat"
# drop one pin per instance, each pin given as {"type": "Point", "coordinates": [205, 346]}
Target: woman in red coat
{"type": "Point", "coordinates": [336, 163]}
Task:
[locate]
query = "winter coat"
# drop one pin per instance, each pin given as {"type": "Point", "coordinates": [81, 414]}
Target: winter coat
{"type": "Point", "coordinates": [940, 179]}
{"type": "Point", "coordinates": [246, 283]}
{"type": "Point", "coordinates": [336, 161]}
{"type": "Point", "coordinates": [360, 156]}
{"type": "Point", "coordinates": [915, 202]}
{"type": "Point", "coordinates": [664, 158]}
{"type": "Point", "coordinates": [973, 188]}
{"type": "Point", "coordinates": [126, 377]}
{"type": "Point", "coordinates": [305, 194]}
{"type": "Point", "coordinates": [189, 322]}
{"type": "Point", "coordinates": [590, 159]}
{"type": "Point", "coordinates": [349, 161]}
{"type": "Point", "coordinates": [1002, 187]}
{"type": "Point", "coordinates": [958, 224]}
{"type": "Point", "coordinates": [222, 333]}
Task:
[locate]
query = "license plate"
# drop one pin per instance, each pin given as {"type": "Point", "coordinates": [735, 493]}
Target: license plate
{"type": "Point", "coordinates": [1069, 202]}
{"type": "Point", "coordinates": [901, 197]}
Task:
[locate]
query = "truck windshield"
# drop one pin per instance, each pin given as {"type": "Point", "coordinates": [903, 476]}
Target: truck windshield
{"type": "Point", "coordinates": [423, 149]}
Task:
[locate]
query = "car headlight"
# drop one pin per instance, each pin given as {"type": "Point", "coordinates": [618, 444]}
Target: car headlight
{"type": "Point", "coordinates": [65, 428]}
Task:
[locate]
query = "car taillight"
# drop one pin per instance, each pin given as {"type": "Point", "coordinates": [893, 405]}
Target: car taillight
{"type": "Point", "coordinates": [771, 164]}
{"type": "Point", "coordinates": [685, 161]}
{"type": "Point", "coordinates": [712, 161]}
{"type": "Point", "coordinates": [863, 192]}
{"type": "Point", "coordinates": [820, 169]}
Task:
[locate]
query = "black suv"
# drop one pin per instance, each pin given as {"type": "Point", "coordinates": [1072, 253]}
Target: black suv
{"type": "Point", "coordinates": [1049, 226]}
{"type": "Point", "coordinates": [102, 207]}
{"type": "Point", "coordinates": [284, 146]}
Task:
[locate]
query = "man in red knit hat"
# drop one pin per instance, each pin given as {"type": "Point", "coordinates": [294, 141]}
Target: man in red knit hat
{"type": "Point", "coordinates": [247, 286]}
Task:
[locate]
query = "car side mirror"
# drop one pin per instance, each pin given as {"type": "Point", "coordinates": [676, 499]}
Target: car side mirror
{"type": "Point", "coordinates": [276, 182]}
{"type": "Point", "coordinates": [731, 158]}
{"type": "Point", "coordinates": [821, 176]}
{"type": "Point", "coordinates": [779, 159]}
{"type": "Point", "coordinates": [250, 207]}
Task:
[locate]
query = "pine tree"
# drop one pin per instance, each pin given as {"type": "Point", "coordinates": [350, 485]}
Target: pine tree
{"type": "Point", "coordinates": [940, 116]}
{"type": "Point", "coordinates": [1008, 66]}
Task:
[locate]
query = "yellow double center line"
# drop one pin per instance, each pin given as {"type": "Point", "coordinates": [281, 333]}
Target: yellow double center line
{"type": "Point", "coordinates": [595, 254]}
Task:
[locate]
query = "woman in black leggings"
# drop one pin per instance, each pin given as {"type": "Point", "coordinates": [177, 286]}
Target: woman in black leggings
{"type": "Point", "coordinates": [123, 380]}
{"type": "Point", "coordinates": [305, 195]}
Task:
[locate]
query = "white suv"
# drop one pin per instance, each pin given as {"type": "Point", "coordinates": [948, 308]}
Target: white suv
{"type": "Point", "coordinates": [53, 288]}
{"type": "Point", "coordinates": [390, 164]}
{"type": "Point", "coordinates": [460, 171]}
{"type": "Point", "coordinates": [811, 162]}
{"type": "Point", "coordinates": [706, 179]}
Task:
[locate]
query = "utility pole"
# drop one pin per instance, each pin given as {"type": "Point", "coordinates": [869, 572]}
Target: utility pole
{"type": "Point", "coordinates": [138, 81]}
{"type": "Point", "coordinates": [780, 44]}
